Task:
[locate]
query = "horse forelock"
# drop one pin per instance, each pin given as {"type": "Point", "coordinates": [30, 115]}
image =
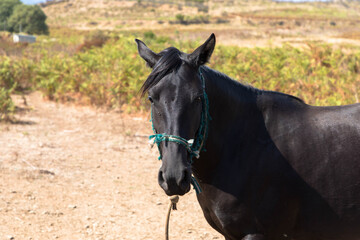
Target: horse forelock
{"type": "Point", "coordinates": [170, 60]}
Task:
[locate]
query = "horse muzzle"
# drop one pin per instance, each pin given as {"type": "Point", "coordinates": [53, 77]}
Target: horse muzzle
{"type": "Point", "coordinates": [175, 182]}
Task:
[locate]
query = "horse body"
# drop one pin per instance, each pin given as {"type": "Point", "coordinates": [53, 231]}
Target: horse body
{"type": "Point", "coordinates": [293, 165]}
{"type": "Point", "coordinates": [275, 168]}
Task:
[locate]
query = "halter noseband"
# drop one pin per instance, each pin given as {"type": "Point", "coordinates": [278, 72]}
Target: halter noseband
{"type": "Point", "coordinates": [193, 146]}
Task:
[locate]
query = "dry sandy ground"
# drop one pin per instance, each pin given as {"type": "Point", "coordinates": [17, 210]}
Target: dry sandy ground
{"type": "Point", "coordinates": [72, 172]}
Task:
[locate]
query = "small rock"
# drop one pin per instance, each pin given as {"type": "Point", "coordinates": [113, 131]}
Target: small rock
{"type": "Point", "coordinates": [44, 171]}
{"type": "Point", "coordinates": [72, 206]}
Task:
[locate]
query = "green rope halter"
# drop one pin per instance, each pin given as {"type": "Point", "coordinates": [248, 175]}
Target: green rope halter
{"type": "Point", "coordinates": [193, 146]}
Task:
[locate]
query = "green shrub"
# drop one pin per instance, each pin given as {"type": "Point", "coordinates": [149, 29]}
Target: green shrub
{"type": "Point", "coordinates": [198, 19]}
{"type": "Point", "coordinates": [180, 18]}
{"type": "Point", "coordinates": [7, 86]}
{"type": "Point", "coordinates": [6, 9]}
{"type": "Point", "coordinates": [112, 75]}
{"type": "Point", "coordinates": [31, 19]}
{"type": "Point", "coordinates": [7, 106]}
{"type": "Point", "coordinates": [149, 35]}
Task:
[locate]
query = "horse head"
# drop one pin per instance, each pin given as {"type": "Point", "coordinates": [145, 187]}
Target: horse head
{"type": "Point", "coordinates": [177, 96]}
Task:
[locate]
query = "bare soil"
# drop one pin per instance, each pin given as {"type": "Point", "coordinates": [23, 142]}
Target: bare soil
{"type": "Point", "coordinates": [74, 172]}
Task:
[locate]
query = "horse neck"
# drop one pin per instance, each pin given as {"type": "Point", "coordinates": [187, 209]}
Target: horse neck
{"type": "Point", "coordinates": [231, 106]}
{"type": "Point", "coordinates": [230, 102]}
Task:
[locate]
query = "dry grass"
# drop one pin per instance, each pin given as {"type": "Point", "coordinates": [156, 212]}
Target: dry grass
{"type": "Point", "coordinates": [351, 35]}
{"type": "Point", "coordinates": [256, 21]}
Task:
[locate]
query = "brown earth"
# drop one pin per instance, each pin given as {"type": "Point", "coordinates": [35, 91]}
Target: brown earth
{"type": "Point", "coordinates": [74, 172]}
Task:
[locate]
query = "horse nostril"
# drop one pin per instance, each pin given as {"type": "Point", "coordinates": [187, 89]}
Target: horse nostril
{"type": "Point", "coordinates": [185, 180]}
{"type": "Point", "coordinates": [161, 177]}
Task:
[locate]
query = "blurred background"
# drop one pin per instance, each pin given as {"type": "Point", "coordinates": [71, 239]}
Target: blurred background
{"type": "Point", "coordinates": [84, 50]}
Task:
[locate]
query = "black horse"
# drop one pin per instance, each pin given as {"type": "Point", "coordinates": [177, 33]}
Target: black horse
{"type": "Point", "coordinates": [275, 168]}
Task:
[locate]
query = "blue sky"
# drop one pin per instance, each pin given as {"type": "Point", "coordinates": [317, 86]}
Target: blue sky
{"type": "Point", "coordinates": [32, 1]}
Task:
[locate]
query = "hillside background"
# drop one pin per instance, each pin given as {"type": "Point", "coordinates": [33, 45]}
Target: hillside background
{"type": "Point", "coordinates": [232, 21]}
{"type": "Point", "coordinates": [308, 49]}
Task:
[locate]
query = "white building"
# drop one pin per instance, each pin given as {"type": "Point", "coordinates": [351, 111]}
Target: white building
{"type": "Point", "coordinates": [23, 38]}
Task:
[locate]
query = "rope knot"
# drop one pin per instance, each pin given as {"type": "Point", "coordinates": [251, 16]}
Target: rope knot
{"type": "Point", "coordinates": [174, 200]}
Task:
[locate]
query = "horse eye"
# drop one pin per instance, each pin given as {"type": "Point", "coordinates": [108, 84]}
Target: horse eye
{"type": "Point", "coordinates": [198, 99]}
{"type": "Point", "coordinates": [150, 99]}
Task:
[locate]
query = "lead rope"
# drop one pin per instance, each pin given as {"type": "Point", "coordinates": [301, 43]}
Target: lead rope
{"type": "Point", "coordinates": [172, 205]}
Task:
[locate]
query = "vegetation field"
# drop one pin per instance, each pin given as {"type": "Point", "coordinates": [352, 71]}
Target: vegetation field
{"type": "Point", "coordinates": [308, 50]}
{"type": "Point", "coordinates": [111, 75]}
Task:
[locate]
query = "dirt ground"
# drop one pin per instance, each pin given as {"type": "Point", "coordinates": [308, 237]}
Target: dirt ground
{"type": "Point", "coordinates": [74, 172]}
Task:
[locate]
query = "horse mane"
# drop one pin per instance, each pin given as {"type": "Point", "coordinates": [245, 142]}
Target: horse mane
{"type": "Point", "coordinates": [170, 60]}
{"type": "Point", "coordinates": [284, 95]}
{"type": "Point", "coordinates": [232, 83]}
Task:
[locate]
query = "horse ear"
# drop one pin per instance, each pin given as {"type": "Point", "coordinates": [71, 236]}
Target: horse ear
{"type": "Point", "coordinates": [149, 56]}
{"type": "Point", "coordinates": [203, 53]}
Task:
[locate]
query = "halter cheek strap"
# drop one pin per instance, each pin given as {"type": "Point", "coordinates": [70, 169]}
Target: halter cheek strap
{"type": "Point", "coordinates": [193, 146]}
